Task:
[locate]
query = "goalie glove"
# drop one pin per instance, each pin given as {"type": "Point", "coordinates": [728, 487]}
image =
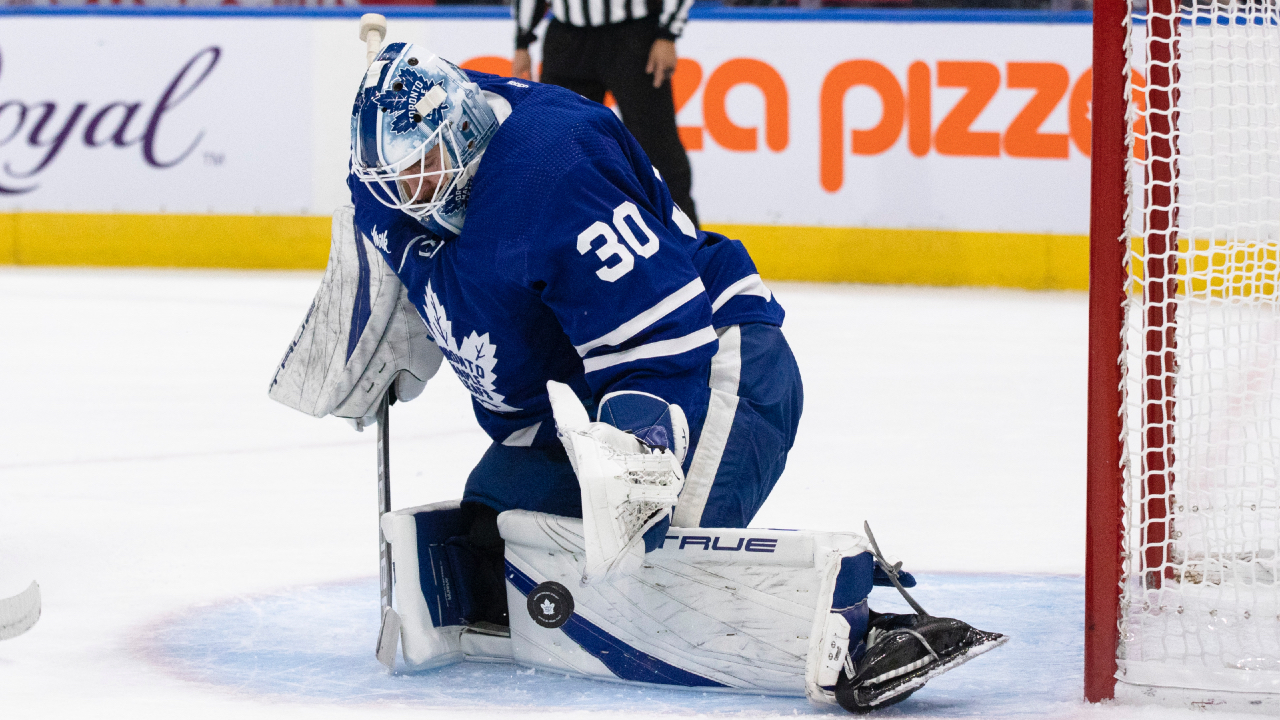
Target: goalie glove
{"type": "Point", "coordinates": [628, 486]}
{"type": "Point", "coordinates": [360, 336]}
{"type": "Point", "coordinates": [653, 421]}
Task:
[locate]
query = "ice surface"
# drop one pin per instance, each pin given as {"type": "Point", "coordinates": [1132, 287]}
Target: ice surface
{"type": "Point", "coordinates": [314, 643]}
{"type": "Point", "coordinates": [206, 553]}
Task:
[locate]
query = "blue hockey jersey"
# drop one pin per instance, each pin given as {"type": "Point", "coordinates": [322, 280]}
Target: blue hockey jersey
{"type": "Point", "coordinates": [573, 265]}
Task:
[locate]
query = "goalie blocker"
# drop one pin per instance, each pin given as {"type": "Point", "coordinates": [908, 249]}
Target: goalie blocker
{"type": "Point", "coordinates": [761, 611]}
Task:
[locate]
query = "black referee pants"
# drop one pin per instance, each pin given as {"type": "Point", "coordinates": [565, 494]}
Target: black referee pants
{"type": "Point", "coordinates": [591, 60]}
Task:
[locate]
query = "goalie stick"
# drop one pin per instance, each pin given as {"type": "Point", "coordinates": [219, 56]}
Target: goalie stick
{"type": "Point", "coordinates": [19, 613]}
{"type": "Point", "coordinates": [891, 570]}
{"type": "Point", "coordinates": [373, 29]}
{"type": "Point", "coordinates": [389, 634]}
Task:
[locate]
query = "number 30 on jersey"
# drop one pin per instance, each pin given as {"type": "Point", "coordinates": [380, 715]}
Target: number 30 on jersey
{"type": "Point", "coordinates": [612, 248]}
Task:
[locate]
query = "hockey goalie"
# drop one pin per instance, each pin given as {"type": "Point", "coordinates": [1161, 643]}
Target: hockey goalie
{"type": "Point", "coordinates": [632, 373]}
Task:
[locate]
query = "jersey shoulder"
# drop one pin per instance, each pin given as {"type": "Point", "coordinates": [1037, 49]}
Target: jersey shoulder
{"type": "Point", "coordinates": [549, 131]}
{"type": "Point", "coordinates": [553, 159]}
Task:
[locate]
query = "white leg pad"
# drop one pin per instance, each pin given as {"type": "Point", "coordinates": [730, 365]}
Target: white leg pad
{"type": "Point", "coordinates": [716, 609]}
{"type": "Point", "coordinates": [423, 644]}
{"type": "Point", "coordinates": [429, 591]}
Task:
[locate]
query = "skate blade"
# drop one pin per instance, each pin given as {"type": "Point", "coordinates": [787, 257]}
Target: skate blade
{"type": "Point", "coordinates": [955, 662]}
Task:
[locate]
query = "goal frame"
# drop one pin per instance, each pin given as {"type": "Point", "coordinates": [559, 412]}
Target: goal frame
{"type": "Point", "coordinates": [1108, 280]}
{"type": "Point", "coordinates": [1107, 277]}
{"type": "Point", "coordinates": [1120, 265]}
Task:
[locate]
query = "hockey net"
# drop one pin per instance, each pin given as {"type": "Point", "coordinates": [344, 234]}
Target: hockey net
{"type": "Point", "coordinates": [1199, 576]}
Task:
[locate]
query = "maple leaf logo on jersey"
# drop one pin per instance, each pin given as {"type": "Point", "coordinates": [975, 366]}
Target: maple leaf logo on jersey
{"type": "Point", "coordinates": [473, 361]}
{"type": "Point", "coordinates": [379, 239]}
{"type": "Point", "coordinates": [404, 94]}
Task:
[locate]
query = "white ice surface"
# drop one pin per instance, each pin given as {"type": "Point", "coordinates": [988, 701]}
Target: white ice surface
{"type": "Point", "coordinates": [204, 552]}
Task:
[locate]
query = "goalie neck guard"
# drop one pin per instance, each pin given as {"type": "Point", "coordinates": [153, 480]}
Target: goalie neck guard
{"type": "Point", "coordinates": [418, 130]}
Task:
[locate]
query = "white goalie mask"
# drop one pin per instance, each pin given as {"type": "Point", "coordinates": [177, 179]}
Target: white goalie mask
{"type": "Point", "coordinates": [418, 130]}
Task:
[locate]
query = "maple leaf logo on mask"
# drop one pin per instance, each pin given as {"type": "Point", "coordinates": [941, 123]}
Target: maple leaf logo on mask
{"type": "Point", "coordinates": [412, 85]}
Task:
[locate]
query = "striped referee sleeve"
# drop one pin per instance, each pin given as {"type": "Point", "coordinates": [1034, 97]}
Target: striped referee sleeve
{"type": "Point", "coordinates": [674, 16]}
{"type": "Point", "coordinates": [527, 14]}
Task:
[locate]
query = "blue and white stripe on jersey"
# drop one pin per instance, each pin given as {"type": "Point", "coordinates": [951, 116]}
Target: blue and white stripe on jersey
{"type": "Point", "coordinates": [655, 349]}
{"type": "Point", "coordinates": [749, 285]}
{"type": "Point", "coordinates": [611, 341]}
{"type": "Point", "coordinates": [630, 328]}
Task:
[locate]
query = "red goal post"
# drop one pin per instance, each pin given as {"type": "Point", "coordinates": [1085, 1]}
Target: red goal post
{"type": "Point", "coordinates": [1107, 275]}
{"type": "Point", "coordinates": [1183, 539]}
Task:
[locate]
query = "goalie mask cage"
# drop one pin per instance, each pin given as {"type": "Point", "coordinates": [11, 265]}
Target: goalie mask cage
{"type": "Point", "coordinates": [1183, 583]}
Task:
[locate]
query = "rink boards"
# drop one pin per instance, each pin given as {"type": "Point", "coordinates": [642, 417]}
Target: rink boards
{"type": "Point", "coordinates": [890, 147]}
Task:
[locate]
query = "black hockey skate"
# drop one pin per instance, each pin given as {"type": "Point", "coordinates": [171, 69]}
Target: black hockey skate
{"type": "Point", "coordinates": [903, 653]}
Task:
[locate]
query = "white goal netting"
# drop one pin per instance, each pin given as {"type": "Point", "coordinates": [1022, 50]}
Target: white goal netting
{"type": "Point", "coordinates": [1200, 599]}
